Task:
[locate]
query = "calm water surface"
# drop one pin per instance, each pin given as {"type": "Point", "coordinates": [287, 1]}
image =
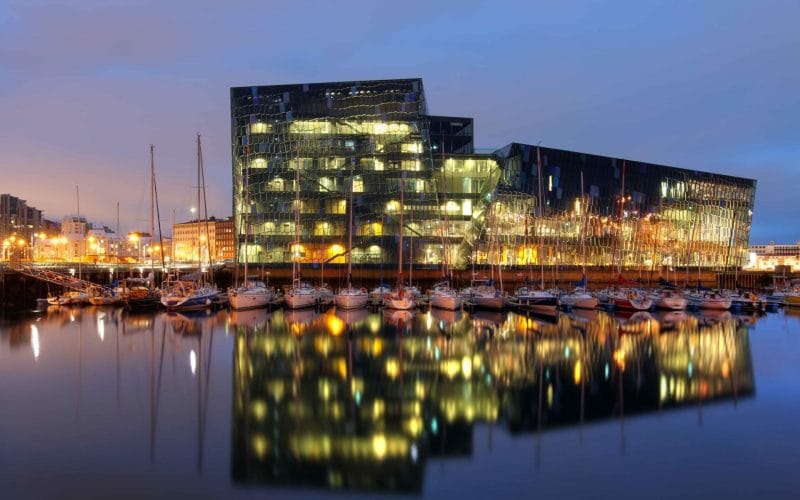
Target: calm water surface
{"type": "Point", "coordinates": [104, 403]}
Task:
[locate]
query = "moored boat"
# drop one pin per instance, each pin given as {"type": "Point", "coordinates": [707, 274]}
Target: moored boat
{"type": "Point", "coordinates": [541, 301]}
{"type": "Point", "coordinates": [580, 299]}
{"type": "Point", "coordinates": [483, 294]}
{"type": "Point", "coordinates": [710, 300]}
{"type": "Point", "coordinates": [250, 295]}
{"type": "Point", "coordinates": [669, 300]}
{"type": "Point", "coordinates": [630, 300]}
{"type": "Point", "coordinates": [442, 296]}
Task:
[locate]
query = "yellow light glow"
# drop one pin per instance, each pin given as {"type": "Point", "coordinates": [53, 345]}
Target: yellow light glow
{"type": "Point", "coordinates": [577, 372]}
{"type": "Point", "coordinates": [379, 446]}
{"type": "Point", "coordinates": [334, 325]}
{"type": "Point", "coordinates": [466, 367]}
{"type": "Point", "coordinates": [392, 367]}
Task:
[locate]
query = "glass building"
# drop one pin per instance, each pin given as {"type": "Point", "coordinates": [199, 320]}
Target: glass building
{"type": "Point", "coordinates": [295, 147]}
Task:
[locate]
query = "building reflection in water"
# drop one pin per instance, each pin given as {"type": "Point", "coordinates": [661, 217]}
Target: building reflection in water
{"type": "Point", "coordinates": [361, 400]}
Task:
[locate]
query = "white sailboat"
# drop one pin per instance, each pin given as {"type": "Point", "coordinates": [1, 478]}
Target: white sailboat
{"type": "Point", "coordinates": [183, 294]}
{"type": "Point", "coordinates": [443, 295]}
{"type": "Point", "coordinates": [400, 298]}
{"type": "Point", "coordinates": [349, 297]}
{"type": "Point", "coordinates": [252, 293]}
{"type": "Point", "coordinates": [580, 298]}
{"type": "Point", "coordinates": [301, 294]}
{"type": "Point", "coordinates": [540, 301]}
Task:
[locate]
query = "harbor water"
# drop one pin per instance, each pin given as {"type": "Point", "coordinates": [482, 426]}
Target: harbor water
{"type": "Point", "coordinates": [103, 403]}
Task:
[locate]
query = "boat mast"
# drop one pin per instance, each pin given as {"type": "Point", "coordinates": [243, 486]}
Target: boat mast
{"type": "Point", "coordinates": [245, 218]}
{"type": "Point", "coordinates": [400, 241]}
{"type": "Point", "coordinates": [584, 215]}
{"type": "Point", "coordinates": [83, 234]}
{"type": "Point", "coordinates": [295, 245]}
{"type": "Point", "coordinates": [116, 247]}
{"type": "Point", "coordinates": [152, 209]}
{"type": "Point", "coordinates": [202, 185]}
{"type": "Point", "coordinates": [541, 215]}
{"type": "Point", "coordinates": [349, 230]}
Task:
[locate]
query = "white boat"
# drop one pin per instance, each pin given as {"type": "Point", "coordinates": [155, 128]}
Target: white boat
{"type": "Point", "coordinates": [105, 298]}
{"type": "Point", "coordinates": [351, 298]}
{"type": "Point", "coordinates": [442, 296]}
{"type": "Point", "coordinates": [710, 300]}
{"type": "Point", "coordinates": [71, 298]}
{"type": "Point", "coordinates": [483, 294]}
{"type": "Point", "coordinates": [400, 298]}
{"type": "Point", "coordinates": [747, 301]}
{"type": "Point", "coordinates": [185, 295]}
{"type": "Point", "coordinates": [630, 300]}
{"type": "Point", "coordinates": [541, 301]}
{"type": "Point", "coordinates": [250, 295]}
{"type": "Point", "coordinates": [669, 300]}
{"type": "Point", "coordinates": [579, 299]}
{"type": "Point", "coordinates": [253, 293]}
{"type": "Point", "coordinates": [301, 295]}
{"type": "Point", "coordinates": [194, 294]}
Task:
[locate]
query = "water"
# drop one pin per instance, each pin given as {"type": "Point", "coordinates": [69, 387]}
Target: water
{"type": "Point", "coordinates": [102, 403]}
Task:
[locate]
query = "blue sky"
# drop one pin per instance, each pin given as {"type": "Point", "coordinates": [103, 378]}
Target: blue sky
{"type": "Point", "coordinates": [85, 87]}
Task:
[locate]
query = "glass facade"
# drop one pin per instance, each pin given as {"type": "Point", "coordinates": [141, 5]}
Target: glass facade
{"type": "Point", "coordinates": [294, 147]}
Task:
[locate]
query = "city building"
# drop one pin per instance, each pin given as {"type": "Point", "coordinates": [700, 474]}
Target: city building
{"type": "Point", "coordinates": [773, 257]}
{"type": "Point", "coordinates": [295, 146]}
{"type": "Point", "coordinates": [16, 217]}
{"type": "Point", "coordinates": [19, 224]}
{"type": "Point", "coordinates": [204, 240]}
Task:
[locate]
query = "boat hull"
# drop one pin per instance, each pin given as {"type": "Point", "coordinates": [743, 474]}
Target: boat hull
{"type": "Point", "coordinates": [445, 301]}
{"type": "Point", "coordinates": [671, 303]}
{"type": "Point", "coordinates": [300, 301]}
{"type": "Point", "coordinates": [351, 300]}
{"type": "Point", "coordinates": [189, 303]}
{"type": "Point", "coordinates": [249, 299]}
{"type": "Point", "coordinates": [399, 303]}
{"type": "Point", "coordinates": [632, 305]}
{"type": "Point", "coordinates": [578, 302]}
{"type": "Point", "coordinates": [792, 300]}
{"type": "Point", "coordinates": [712, 304]}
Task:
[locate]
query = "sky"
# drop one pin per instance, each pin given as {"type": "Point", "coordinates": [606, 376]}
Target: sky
{"type": "Point", "coordinates": [87, 86]}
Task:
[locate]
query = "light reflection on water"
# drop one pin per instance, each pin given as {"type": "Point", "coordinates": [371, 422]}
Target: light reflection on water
{"type": "Point", "coordinates": [357, 400]}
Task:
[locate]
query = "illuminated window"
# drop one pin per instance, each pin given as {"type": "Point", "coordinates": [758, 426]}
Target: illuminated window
{"type": "Point", "coordinates": [259, 128]}
{"type": "Point", "coordinates": [258, 163]}
{"type": "Point", "coordinates": [358, 184]}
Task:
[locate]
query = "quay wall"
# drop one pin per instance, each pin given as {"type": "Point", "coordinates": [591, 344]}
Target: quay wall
{"type": "Point", "coordinates": [19, 292]}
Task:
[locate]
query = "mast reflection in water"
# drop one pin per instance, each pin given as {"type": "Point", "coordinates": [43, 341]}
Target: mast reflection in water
{"type": "Point", "coordinates": [361, 400]}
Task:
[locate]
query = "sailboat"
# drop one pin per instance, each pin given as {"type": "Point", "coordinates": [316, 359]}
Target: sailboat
{"type": "Point", "coordinates": [252, 293]}
{"type": "Point", "coordinates": [580, 298]}
{"type": "Point", "coordinates": [141, 293]}
{"type": "Point", "coordinates": [540, 301]}
{"type": "Point", "coordinates": [187, 295]}
{"type": "Point", "coordinates": [301, 294]}
{"type": "Point", "coordinates": [350, 298]}
{"type": "Point", "coordinates": [399, 298]}
{"type": "Point", "coordinates": [443, 295]}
